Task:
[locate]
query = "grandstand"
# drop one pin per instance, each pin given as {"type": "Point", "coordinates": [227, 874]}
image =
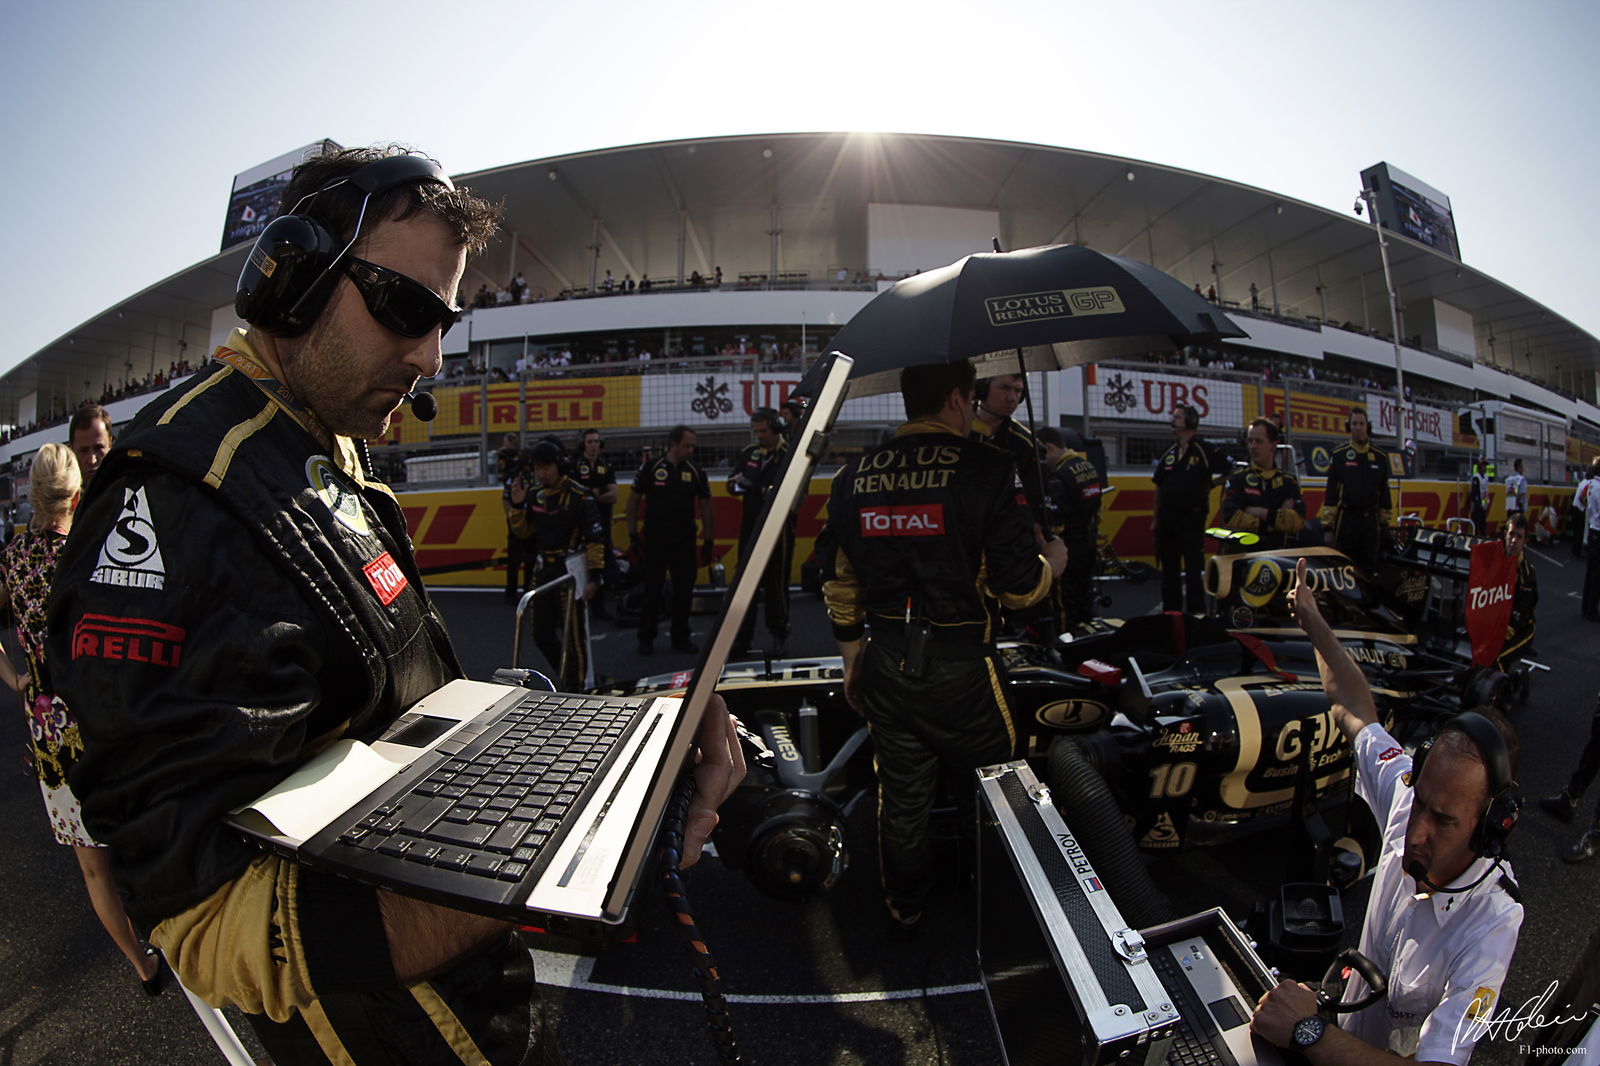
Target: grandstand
{"type": "Point", "coordinates": [692, 281]}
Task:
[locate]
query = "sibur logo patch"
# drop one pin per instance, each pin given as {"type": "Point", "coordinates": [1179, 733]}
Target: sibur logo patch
{"type": "Point", "coordinates": [133, 640]}
{"type": "Point", "coordinates": [908, 520]}
{"type": "Point", "coordinates": [385, 577]}
{"type": "Point", "coordinates": [130, 556]}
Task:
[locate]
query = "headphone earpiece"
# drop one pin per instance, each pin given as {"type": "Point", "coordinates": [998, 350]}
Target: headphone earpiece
{"type": "Point", "coordinates": [291, 271]}
{"type": "Point", "coordinates": [1505, 806]}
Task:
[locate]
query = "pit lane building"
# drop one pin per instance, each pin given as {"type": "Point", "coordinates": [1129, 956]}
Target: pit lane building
{"type": "Point", "coordinates": [690, 281]}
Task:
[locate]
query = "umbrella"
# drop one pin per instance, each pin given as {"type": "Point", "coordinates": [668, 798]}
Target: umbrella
{"type": "Point", "coordinates": [1062, 304]}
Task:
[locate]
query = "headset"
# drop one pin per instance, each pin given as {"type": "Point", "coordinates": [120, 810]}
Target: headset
{"type": "Point", "coordinates": [768, 415]}
{"type": "Point", "coordinates": [980, 388]}
{"type": "Point", "coordinates": [548, 450]}
{"type": "Point", "coordinates": [1191, 416]}
{"type": "Point", "coordinates": [292, 269]}
{"type": "Point", "coordinates": [1352, 414]}
{"type": "Point", "coordinates": [585, 433]}
{"type": "Point", "coordinates": [1500, 814]}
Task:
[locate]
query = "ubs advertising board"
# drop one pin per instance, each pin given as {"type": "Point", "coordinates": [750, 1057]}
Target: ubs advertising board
{"type": "Point", "coordinates": [1140, 396]}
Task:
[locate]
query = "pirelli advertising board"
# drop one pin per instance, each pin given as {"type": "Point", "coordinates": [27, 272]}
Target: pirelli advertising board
{"type": "Point", "coordinates": [564, 405]}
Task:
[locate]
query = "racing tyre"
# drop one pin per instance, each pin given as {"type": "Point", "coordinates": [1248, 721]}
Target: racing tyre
{"type": "Point", "coordinates": [1090, 810]}
{"type": "Point", "coordinates": [1488, 688]}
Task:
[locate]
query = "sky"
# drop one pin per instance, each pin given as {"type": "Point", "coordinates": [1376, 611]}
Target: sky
{"type": "Point", "coordinates": [128, 122]}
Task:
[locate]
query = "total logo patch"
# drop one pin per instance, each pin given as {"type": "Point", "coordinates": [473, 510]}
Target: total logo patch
{"type": "Point", "coordinates": [131, 556]}
{"type": "Point", "coordinates": [385, 577]}
{"type": "Point", "coordinates": [337, 494]}
{"type": "Point", "coordinates": [909, 520]}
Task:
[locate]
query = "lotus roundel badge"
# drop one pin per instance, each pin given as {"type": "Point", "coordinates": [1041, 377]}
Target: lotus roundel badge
{"type": "Point", "coordinates": [1261, 582]}
{"type": "Point", "coordinates": [1072, 715]}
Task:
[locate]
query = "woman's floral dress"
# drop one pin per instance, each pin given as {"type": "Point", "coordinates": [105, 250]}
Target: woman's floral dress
{"type": "Point", "coordinates": [26, 566]}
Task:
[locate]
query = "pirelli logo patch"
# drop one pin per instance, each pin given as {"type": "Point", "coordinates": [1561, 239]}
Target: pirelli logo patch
{"type": "Point", "coordinates": [132, 640]}
{"type": "Point", "coordinates": [908, 520]}
{"type": "Point", "coordinates": [385, 577]}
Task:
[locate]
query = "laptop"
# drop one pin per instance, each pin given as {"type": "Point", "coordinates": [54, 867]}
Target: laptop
{"type": "Point", "coordinates": [524, 805]}
{"type": "Point", "coordinates": [1214, 978]}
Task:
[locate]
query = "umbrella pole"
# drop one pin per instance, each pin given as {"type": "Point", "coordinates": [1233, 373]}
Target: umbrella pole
{"type": "Point", "coordinates": [1038, 466]}
{"type": "Point", "coordinates": [1027, 400]}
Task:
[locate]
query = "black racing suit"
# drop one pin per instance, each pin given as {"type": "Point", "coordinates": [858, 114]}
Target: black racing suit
{"type": "Point", "coordinates": [521, 556]}
{"type": "Point", "coordinates": [1273, 489]}
{"type": "Point", "coordinates": [597, 475]}
{"type": "Point", "coordinates": [560, 521]}
{"type": "Point", "coordinates": [1520, 628]}
{"type": "Point", "coordinates": [1072, 489]}
{"type": "Point", "coordinates": [670, 496]}
{"type": "Point", "coordinates": [1478, 503]}
{"type": "Point", "coordinates": [1356, 508]}
{"type": "Point", "coordinates": [923, 532]}
{"type": "Point", "coordinates": [235, 597]}
{"type": "Point", "coordinates": [753, 475]}
{"type": "Point", "coordinates": [1017, 441]}
{"type": "Point", "coordinates": [1183, 478]}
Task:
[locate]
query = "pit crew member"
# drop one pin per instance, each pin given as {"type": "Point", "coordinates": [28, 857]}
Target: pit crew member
{"type": "Point", "coordinates": [925, 534]}
{"type": "Point", "coordinates": [1443, 916]}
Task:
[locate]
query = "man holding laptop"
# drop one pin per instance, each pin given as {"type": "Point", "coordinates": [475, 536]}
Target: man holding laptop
{"type": "Point", "coordinates": [239, 595]}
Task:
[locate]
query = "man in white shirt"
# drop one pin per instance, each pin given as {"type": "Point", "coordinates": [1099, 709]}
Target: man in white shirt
{"type": "Point", "coordinates": [1591, 525]}
{"type": "Point", "coordinates": [1443, 917]}
{"type": "Point", "coordinates": [1516, 491]}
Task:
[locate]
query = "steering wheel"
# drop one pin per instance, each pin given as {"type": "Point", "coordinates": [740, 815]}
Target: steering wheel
{"type": "Point", "coordinates": [1328, 1002]}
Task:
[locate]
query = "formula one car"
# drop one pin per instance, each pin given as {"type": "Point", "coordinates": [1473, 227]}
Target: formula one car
{"type": "Point", "coordinates": [1157, 732]}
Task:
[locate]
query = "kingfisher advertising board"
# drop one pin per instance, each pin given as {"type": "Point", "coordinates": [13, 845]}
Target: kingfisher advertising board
{"type": "Point", "coordinates": [257, 191]}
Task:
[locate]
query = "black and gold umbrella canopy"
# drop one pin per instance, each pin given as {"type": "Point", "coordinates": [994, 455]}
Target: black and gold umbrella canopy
{"type": "Point", "coordinates": [1062, 304]}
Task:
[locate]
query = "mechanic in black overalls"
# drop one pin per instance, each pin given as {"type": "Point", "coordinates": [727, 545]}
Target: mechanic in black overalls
{"type": "Point", "coordinates": [1262, 499]}
{"type": "Point", "coordinates": [996, 401]}
{"type": "Point", "coordinates": [1356, 508]}
{"type": "Point", "coordinates": [1184, 476]}
{"type": "Point", "coordinates": [594, 472]}
{"type": "Point", "coordinates": [516, 479]}
{"type": "Point", "coordinates": [667, 489]}
{"type": "Point", "coordinates": [924, 534]}
{"type": "Point", "coordinates": [1072, 487]}
{"type": "Point", "coordinates": [560, 518]}
{"type": "Point", "coordinates": [754, 473]}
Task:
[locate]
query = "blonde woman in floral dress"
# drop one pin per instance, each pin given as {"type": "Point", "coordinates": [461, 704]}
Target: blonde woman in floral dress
{"type": "Point", "coordinates": [26, 566]}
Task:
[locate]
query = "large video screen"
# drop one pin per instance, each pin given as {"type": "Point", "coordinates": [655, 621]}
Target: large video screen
{"type": "Point", "coordinates": [1407, 205]}
{"type": "Point", "coordinates": [252, 207]}
{"type": "Point", "coordinates": [257, 191]}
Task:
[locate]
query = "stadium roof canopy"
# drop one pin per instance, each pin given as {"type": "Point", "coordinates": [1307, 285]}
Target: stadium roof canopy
{"type": "Point", "coordinates": [694, 205]}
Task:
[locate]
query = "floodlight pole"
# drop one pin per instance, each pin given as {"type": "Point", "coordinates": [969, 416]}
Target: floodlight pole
{"type": "Point", "coordinates": [1370, 198]}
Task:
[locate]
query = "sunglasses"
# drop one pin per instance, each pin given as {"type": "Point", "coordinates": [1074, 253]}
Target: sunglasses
{"type": "Point", "coordinates": [399, 303]}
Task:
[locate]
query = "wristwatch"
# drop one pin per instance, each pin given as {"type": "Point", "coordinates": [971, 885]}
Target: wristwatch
{"type": "Point", "coordinates": [1308, 1031]}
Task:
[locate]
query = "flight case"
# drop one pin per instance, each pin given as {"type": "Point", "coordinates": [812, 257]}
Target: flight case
{"type": "Point", "coordinates": [1068, 981]}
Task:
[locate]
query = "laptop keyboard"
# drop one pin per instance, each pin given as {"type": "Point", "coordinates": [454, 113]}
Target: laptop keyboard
{"type": "Point", "coordinates": [496, 806]}
{"type": "Point", "coordinates": [1188, 1047]}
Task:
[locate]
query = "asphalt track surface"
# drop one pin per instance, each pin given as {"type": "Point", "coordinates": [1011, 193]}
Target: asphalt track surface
{"type": "Point", "coordinates": [808, 983]}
